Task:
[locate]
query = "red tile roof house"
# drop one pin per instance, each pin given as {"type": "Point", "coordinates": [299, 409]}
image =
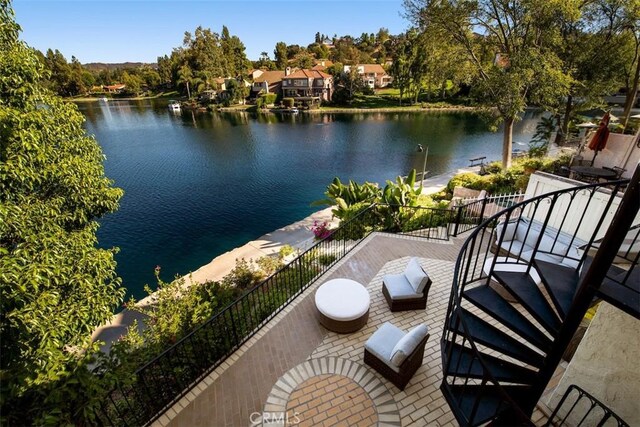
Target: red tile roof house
{"type": "Point", "coordinates": [373, 74]}
{"type": "Point", "coordinates": [267, 82]}
{"type": "Point", "coordinates": [308, 85]}
{"type": "Point", "coordinates": [117, 88]}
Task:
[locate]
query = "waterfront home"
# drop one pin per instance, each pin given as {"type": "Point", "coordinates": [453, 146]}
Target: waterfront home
{"type": "Point", "coordinates": [307, 86]}
{"type": "Point", "coordinates": [267, 82]}
{"type": "Point", "coordinates": [116, 88]}
{"type": "Point", "coordinates": [373, 75]}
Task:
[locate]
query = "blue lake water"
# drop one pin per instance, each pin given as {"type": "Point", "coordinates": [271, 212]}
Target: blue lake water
{"type": "Point", "coordinates": [198, 185]}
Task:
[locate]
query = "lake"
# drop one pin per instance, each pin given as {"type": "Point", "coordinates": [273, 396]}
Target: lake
{"type": "Point", "coordinates": [198, 185]}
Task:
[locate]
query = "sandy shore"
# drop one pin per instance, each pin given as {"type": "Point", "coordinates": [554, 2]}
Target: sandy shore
{"type": "Point", "coordinates": [297, 235]}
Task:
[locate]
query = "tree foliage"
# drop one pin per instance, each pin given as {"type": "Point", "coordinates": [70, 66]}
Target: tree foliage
{"type": "Point", "coordinates": [409, 67]}
{"type": "Point", "coordinates": [510, 48]}
{"type": "Point", "coordinates": [57, 286]}
{"type": "Point", "coordinates": [347, 85]}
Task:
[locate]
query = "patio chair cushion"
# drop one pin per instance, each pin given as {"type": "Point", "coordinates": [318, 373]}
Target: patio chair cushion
{"type": "Point", "coordinates": [416, 276]}
{"type": "Point", "coordinates": [399, 287]}
{"type": "Point", "coordinates": [407, 344]}
{"type": "Point", "coordinates": [383, 341]}
{"type": "Point", "coordinates": [510, 232]}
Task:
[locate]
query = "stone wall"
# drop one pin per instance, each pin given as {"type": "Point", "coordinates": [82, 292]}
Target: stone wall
{"type": "Point", "coordinates": [606, 364]}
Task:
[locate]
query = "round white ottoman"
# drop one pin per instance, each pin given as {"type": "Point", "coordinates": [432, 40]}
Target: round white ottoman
{"type": "Point", "coordinates": [343, 305]}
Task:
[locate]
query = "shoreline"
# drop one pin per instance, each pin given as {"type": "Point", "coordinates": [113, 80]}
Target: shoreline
{"type": "Point", "coordinates": [332, 110]}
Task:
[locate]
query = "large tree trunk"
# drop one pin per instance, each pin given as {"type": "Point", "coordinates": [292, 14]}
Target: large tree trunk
{"type": "Point", "coordinates": [631, 95]}
{"type": "Point", "coordinates": [507, 142]}
{"type": "Point", "coordinates": [562, 135]}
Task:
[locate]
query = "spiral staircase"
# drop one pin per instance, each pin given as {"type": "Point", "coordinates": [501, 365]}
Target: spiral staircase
{"type": "Point", "coordinates": [512, 314]}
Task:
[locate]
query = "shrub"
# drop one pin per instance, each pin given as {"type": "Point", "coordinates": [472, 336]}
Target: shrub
{"type": "Point", "coordinates": [286, 250]}
{"type": "Point", "coordinates": [287, 102]}
{"type": "Point", "coordinates": [470, 180]}
{"type": "Point", "coordinates": [321, 230]}
{"type": "Point", "coordinates": [326, 259]}
{"type": "Point", "coordinates": [269, 264]}
{"type": "Point", "coordinates": [265, 100]}
{"type": "Point", "coordinates": [243, 275]}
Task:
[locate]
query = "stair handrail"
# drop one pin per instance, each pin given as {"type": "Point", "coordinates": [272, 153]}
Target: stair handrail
{"type": "Point", "coordinates": [461, 272]}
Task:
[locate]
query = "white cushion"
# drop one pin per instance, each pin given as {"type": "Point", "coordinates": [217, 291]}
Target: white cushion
{"type": "Point", "coordinates": [528, 235]}
{"type": "Point", "coordinates": [516, 248]}
{"type": "Point", "coordinates": [382, 342]}
{"type": "Point", "coordinates": [510, 232]}
{"type": "Point", "coordinates": [399, 287]}
{"type": "Point", "coordinates": [553, 245]}
{"type": "Point", "coordinates": [408, 344]}
{"type": "Point", "coordinates": [416, 275]}
{"type": "Point", "coordinates": [342, 299]}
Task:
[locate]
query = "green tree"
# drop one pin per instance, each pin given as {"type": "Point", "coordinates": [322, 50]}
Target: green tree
{"type": "Point", "coordinates": [234, 52]}
{"type": "Point", "coordinates": [133, 83]}
{"type": "Point", "coordinates": [631, 26]}
{"type": "Point", "coordinates": [59, 72]}
{"type": "Point", "coordinates": [280, 55]}
{"type": "Point", "coordinates": [509, 45]}
{"type": "Point", "coordinates": [265, 62]}
{"type": "Point", "coordinates": [347, 86]}
{"type": "Point", "coordinates": [595, 71]}
{"type": "Point", "coordinates": [57, 286]}
{"type": "Point", "coordinates": [185, 79]}
{"type": "Point", "coordinates": [409, 64]}
{"type": "Point", "coordinates": [303, 60]}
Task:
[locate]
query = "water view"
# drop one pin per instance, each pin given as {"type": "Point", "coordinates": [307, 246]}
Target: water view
{"type": "Point", "coordinates": [198, 185]}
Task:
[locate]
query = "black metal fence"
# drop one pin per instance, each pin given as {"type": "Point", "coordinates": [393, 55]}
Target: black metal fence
{"type": "Point", "coordinates": [578, 408]}
{"type": "Point", "coordinates": [169, 376]}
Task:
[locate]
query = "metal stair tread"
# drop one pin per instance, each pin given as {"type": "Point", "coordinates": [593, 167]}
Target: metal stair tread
{"type": "Point", "coordinates": [488, 335]}
{"type": "Point", "coordinates": [462, 399]}
{"type": "Point", "coordinates": [493, 304]}
{"type": "Point", "coordinates": [463, 364]}
{"type": "Point", "coordinates": [560, 282]}
{"type": "Point", "coordinates": [525, 290]}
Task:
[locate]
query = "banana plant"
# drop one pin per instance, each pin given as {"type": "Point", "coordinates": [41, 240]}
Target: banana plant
{"type": "Point", "coordinates": [396, 195]}
{"type": "Point", "coordinates": [344, 196]}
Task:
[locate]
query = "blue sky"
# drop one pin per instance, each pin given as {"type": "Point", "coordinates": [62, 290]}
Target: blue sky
{"type": "Point", "coordinates": [118, 31]}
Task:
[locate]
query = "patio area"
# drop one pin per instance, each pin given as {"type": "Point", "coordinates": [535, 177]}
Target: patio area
{"type": "Point", "coordinates": [295, 372]}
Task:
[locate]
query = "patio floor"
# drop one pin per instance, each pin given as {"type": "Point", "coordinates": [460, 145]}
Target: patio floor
{"type": "Point", "coordinates": [296, 369]}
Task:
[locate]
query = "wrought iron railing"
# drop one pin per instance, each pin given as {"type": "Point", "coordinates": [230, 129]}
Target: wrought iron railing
{"type": "Point", "coordinates": [578, 408]}
{"type": "Point", "coordinates": [169, 376]}
{"type": "Point", "coordinates": [476, 210]}
{"type": "Point", "coordinates": [560, 227]}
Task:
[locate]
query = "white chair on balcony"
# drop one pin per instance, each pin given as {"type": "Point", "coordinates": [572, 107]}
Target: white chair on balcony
{"type": "Point", "coordinates": [408, 290]}
{"type": "Point", "coordinates": [396, 354]}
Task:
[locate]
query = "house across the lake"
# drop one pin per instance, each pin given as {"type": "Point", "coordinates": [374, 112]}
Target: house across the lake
{"type": "Point", "coordinates": [267, 82]}
{"type": "Point", "coordinates": [373, 75]}
{"type": "Point", "coordinates": [307, 85]}
{"type": "Point", "coordinates": [117, 88]}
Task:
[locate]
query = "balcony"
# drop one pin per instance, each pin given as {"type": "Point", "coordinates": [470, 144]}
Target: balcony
{"type": "Point", "coordinates": [294, 353]}
{"type": "Point", "coordinates": [265, 359]}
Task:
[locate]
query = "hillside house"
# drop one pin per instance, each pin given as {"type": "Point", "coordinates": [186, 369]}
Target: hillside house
{"type": "Point", "coordinates": [373, 75]}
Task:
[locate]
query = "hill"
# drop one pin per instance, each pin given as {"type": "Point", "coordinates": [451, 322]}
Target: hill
{"type": "Point", "coordinates": [98, 66]}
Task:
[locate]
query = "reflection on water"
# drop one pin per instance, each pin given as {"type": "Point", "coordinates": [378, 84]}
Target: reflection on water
{"type": "Point", "coordinates": [198, 185]}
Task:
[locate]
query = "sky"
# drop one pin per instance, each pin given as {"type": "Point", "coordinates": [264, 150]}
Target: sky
{"type": "Point", "coordinates": [142, 30]}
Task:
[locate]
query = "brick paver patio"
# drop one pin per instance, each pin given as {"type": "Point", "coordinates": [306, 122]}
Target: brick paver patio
{"type": "Point", "coordinates": [293, 356]}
